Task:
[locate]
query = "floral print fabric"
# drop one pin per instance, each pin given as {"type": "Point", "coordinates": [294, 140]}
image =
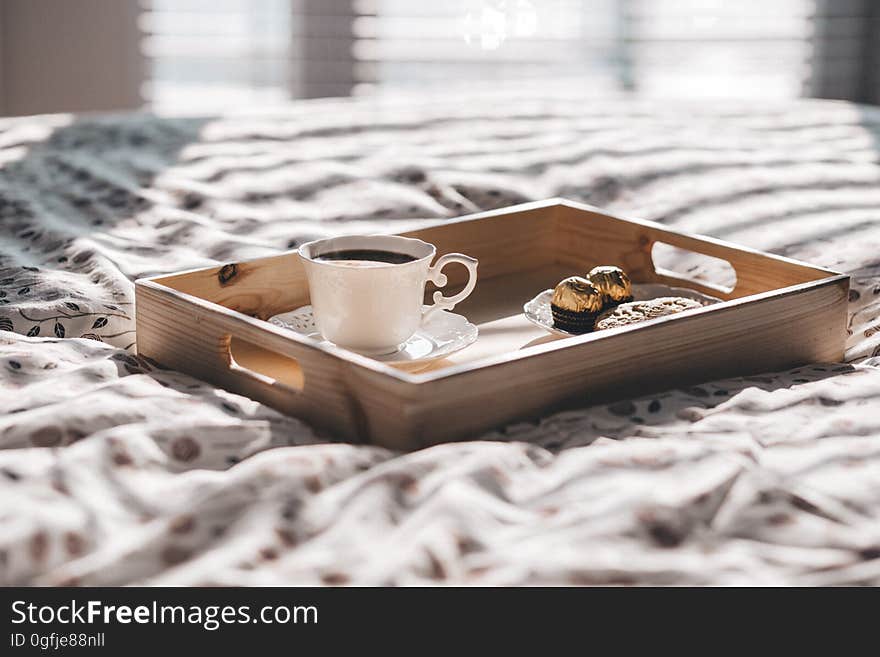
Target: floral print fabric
{"type": "Point", "coordinates": [115, 471]}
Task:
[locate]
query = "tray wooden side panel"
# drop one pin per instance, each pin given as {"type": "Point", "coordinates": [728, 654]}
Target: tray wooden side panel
{"type": "Point", "coordinates": [250, 358]}
{"type": "Point", "coordinates": [749, 338]}
{"type": "Point", "coordinates": [261, 287]}
{"type": "Point", "coordinates": [586, 237]}
{"type": "Point", "coordinates": [502, 242]}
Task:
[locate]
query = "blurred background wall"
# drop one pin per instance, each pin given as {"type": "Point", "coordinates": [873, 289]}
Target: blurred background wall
{"type": "Point", "coordinates": [69, 55]}
{"type": "Point", "coordinates": [203, 56]}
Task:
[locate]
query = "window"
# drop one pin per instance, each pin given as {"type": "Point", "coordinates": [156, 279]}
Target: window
{"type": "Point", "coordinates": [413, 45]}
{"type": "Point", "coordinates": [205, 55]}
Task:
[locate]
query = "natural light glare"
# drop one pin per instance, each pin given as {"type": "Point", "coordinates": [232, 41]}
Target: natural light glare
{"type": "Point", "coordinates": [488, 23]}
{"type": "Point", "coordinates": [485, 27]}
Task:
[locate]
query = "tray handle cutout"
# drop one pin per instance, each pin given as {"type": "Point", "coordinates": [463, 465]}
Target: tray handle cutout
{"type": "Point", "coordinates": [692, 268]}
{"type": "Point", "coordinates": [265, 365]}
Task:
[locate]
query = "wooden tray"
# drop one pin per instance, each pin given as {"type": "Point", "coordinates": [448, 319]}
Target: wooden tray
{"type": "Point", "coordinates": [778, 314]}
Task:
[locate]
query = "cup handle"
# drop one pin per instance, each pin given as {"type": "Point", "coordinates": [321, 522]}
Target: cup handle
{"type": "Point", "coordinates": [436, 275]}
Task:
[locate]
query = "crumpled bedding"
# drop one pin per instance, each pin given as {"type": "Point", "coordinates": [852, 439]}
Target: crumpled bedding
{"type": "Point", "coordinates": [115, 471]}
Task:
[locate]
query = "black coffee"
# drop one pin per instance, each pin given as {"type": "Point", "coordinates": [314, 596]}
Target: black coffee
{"type": "Point", "coordinates": [370, 255]}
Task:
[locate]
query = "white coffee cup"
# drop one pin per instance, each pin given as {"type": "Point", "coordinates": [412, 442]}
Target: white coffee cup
{"type": "Point", "coordinates": [370, 306]}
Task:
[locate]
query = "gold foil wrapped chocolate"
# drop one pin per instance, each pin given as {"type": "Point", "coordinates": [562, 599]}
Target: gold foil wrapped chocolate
{"type": "Point", "coordinates": [575, 304]}
{"type": "Point", "coordinates": [612, 282]}
{"type": "Point", "coordinates": [577, 294]}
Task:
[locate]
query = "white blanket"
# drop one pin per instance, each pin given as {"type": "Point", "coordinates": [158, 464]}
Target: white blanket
{"type": "Point", "coordinates": [113, 471]}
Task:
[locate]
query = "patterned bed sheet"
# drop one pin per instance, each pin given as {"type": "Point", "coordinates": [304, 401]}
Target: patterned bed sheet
{"type": "Point", "coordinates": [114, 471]}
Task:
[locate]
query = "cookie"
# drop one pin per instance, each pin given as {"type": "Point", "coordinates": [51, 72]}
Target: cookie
{"type": "Point", "coordinates": [639, 311]}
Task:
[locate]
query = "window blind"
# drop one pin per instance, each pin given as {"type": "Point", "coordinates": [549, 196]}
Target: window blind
{"type": "Point", "coordinates": [210, 54]}
{"type": "Point", "coordinates": [401, 44]}
{"type": "Point", "coordinates": [207, 55]}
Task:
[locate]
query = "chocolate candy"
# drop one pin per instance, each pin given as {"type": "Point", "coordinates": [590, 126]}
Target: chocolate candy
{"type": "Point", "coordinates": [575, 304]}
{"type": "Point", "coordinates": [613, 283]}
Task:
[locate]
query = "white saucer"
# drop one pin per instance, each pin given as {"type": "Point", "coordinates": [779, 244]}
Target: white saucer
{"type": "Point", "coordinates": [443, 334]}
{"type": "Point", "coordinates": [538, 310]}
